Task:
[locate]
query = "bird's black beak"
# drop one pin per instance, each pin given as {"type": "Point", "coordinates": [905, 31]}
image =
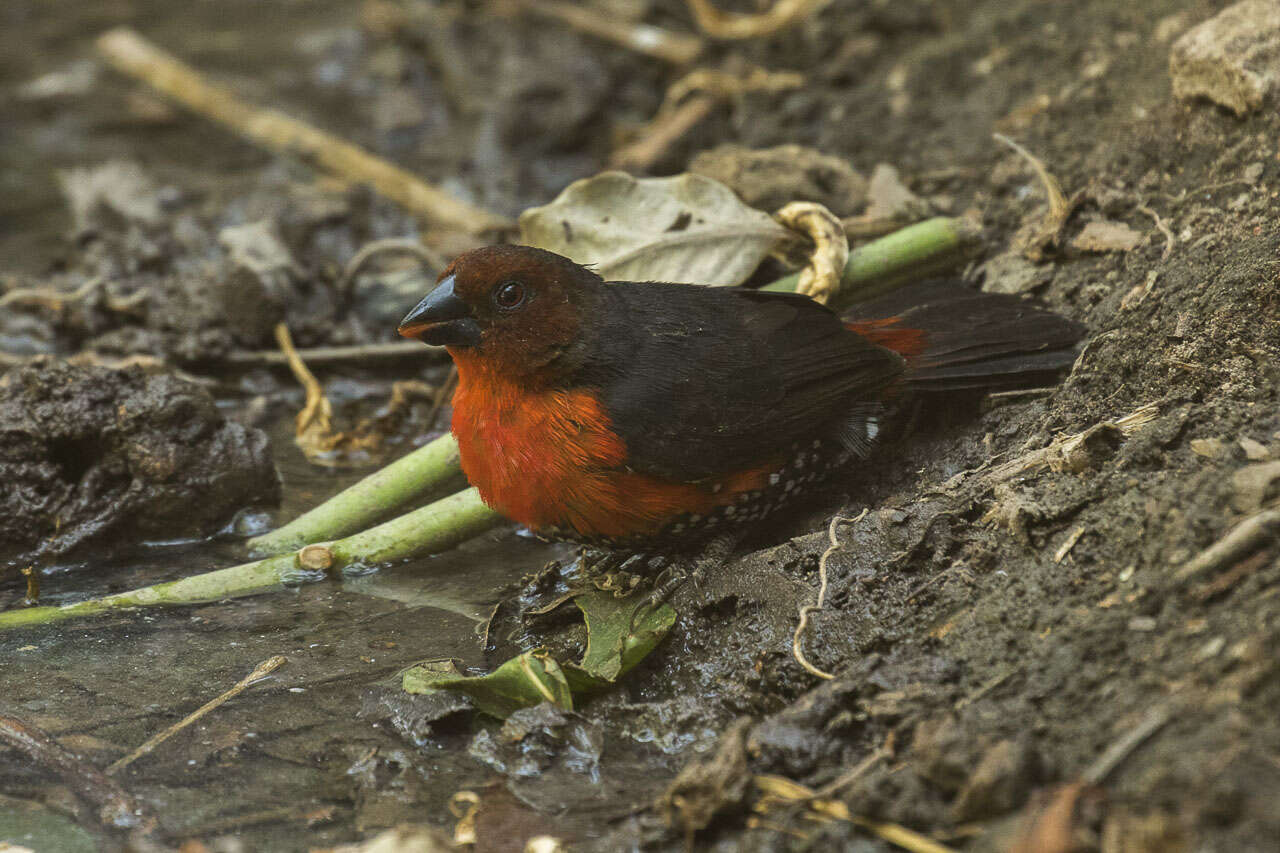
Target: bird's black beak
{"type": "Point", "coordinates": [442, 318]}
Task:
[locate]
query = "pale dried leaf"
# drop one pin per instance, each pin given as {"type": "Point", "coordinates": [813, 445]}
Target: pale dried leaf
{"type": "Point", "coordinates": [686, 228]}
{"type": "Point", "coordinates": [1107, 237]}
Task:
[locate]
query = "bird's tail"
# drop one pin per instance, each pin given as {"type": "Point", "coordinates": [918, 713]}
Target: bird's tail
{"type": "Point", "coordinates": [956, 338]}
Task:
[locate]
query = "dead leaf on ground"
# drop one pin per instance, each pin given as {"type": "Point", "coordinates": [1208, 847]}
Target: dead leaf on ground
{"type": "Point", "coordinates": [889, 198]}
{"type": "Point", "coordinates": [1107, 236]}
{"type": "Point", "coordinates": [686, 228]}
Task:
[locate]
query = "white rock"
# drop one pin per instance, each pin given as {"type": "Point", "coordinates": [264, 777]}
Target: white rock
{"type": "Point", "coordinates": [1233, 59]}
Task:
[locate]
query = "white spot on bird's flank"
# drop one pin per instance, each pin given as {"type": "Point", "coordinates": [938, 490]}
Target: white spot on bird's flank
{"type": "Point", "coordinates": [774, 478]}
{"type": "Point", "coordinates": [873, 428]}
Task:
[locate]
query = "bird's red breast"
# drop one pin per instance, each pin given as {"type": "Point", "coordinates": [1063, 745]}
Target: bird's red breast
{"type": "Point", "coordinates": [625, 412]}
{"type": "Point", "coordinates": [551, 459]}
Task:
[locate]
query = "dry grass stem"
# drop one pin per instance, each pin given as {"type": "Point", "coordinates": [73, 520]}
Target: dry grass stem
{"type": "Point", "coordinates": [664, 131]}
{"type": "Point", "coordinates": [391, 245]}
{"type": "Point", "coordinates": [1035, 238]}
{"type": "Point", "coordinates": [1065, 548]}
{"type": "Point", "coordinates": [809, 609]}
{"type": "Point", "coordinates": [131, 54]}
{"type": "Point", "coordinates": [676, 48]}
{"type": "Point", "coordinates": [332, 355]}
{"type": "Point", "coordinates": [1115, 755]}
{"type": "Point", "coordinates": [779, 790]}
{"type": "Point", "coordinates": [313, 427]}
{"type": "Point", "coordinates": [688, 101]}
{"type": "Point", "coordinates": [260, 672]}
{"type": "Point", "coordinates": [1169, 240]}
{"type": "Point", "coordinates": [725, 25]}
{"type": "Point", "coordinates": [1245, 538]}
{"type": "Point", "coordinates": [1067, 453]}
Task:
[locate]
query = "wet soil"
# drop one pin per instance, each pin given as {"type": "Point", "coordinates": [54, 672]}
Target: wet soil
{"type": "Point", "coordinates": [998, 631]}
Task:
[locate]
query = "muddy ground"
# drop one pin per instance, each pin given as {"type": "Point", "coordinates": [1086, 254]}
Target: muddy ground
{"type": "Point", "coordinates": [994, 628]}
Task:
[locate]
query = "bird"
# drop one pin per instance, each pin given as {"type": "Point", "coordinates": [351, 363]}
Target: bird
{"type": "Point", "coordinates": [660, 417]}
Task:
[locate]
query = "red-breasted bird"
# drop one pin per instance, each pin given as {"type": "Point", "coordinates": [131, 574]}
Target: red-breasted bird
{"type": "Point", "coordinates": [655, 416]}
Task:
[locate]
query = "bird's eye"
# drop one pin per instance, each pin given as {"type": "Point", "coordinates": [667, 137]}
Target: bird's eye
{"type": "Point", "coordinates": [509, 295]}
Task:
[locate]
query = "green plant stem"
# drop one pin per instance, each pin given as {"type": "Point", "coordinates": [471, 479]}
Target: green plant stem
{"type": "Point", "coordinates": [913, 253]}
{"type": "Point", "coordinates": [435, 527]}
{"type": "Point", "coordinates": [430, 468]}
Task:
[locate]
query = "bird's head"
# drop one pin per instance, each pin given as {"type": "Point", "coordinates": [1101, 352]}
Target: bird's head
{"type": "Point", "coordinates": [513, 308]}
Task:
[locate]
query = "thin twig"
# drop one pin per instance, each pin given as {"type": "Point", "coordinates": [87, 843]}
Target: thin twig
{"type": "Point", "coordinates": [333, 355]}
{"type": "Point", "coordinates": [663, 132]}
{"type": "Point", "coordinates": [50, 298]}
{"type": "Point", "coordinates": [847, 778]}
{"type": "Point", "coordinates": [260, 672]}
{"type": "Point", "coordinates": [1068, 544]}
{"type": "Point", "coordinates": [129, 53]}
{"type": "Point", "coordinates": [116, 808]}
{"type": "Point", "coordinates": [688, 101]}
{"type": "Point", "coordinates": [1115, 755]}
{"type": "Point", "coordinates": [315, 418]}
{"type": "Point", "coordinates": [808, 609]}
{"type": "Point", "coordinates": [676, 48]}
{"type": "Point", "coordinates": [1169, 240]}
{"type": "Point", "coordinates": [724, 25]}
{"type": "Point", "coordinates": [1057, 199]}
{"type": "Point", "coordinates": [1245, 538]}
{"type": "Point", "coordinates": [1045, 233]}
{"type": "Point", "coordinates": [398, 245]}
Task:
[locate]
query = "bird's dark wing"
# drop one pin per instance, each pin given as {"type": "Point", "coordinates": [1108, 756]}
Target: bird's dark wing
{"type": "Point", "coordinates": [703, 381]}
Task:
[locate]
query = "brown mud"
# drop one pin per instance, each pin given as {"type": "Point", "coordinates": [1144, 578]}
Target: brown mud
{"type": "Point", "coordinates": [996, 627]}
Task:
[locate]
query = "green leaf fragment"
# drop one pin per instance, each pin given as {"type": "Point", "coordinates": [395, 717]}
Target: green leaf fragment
{"type": "Point", "coordinates": [614, 645]}
{"type": "Point", "coordinates": [522, 682]}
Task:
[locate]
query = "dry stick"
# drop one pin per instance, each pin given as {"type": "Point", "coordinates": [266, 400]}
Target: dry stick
{"type": "Point", "coordinates": [129, 53]}
{"type": "Point", "coordinates": [260, 672]}
{"type": "Point", "coordinates": [334, 355]}
{"type": "Point", "coordinates": [1065, 548]}
{"type": "Point", "coordinates": [1169, 240]}
{"type": "Point", "coordinates": [907, 839]}
{"type": "Point", "coordinates": [796, 651]}
{"type": "Point", "coordinates": [399, 245]}
{"type": "Point", "coordinates": [652, 41]}
{"type": "Point", "coordinates": [688, 101]}
{"type": "Point", "coordinates": [846, 779]}
{"type": "Point", "coordinates": [49, 297]}
{"type": "Point", "coordinates": [1245, 538]}
{"type": "Point", "coordinates": [723, 25]}
{"type": "Point", "coordinates": [1058, 206]}
{"type": "Point", "coordinates": [115, 807]}
{"type": "Point", "coordinates": [1115, 755]}
{"type": "Point", "coordinates": [789, 791]}
{"type": "Point", "coordinates": [663, 132]}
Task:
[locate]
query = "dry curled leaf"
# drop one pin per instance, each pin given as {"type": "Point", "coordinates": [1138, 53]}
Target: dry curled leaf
{"type": "Point", "coordinates": [686, 228]}
{"type": "Point", "coordinates": [1107, 237]}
